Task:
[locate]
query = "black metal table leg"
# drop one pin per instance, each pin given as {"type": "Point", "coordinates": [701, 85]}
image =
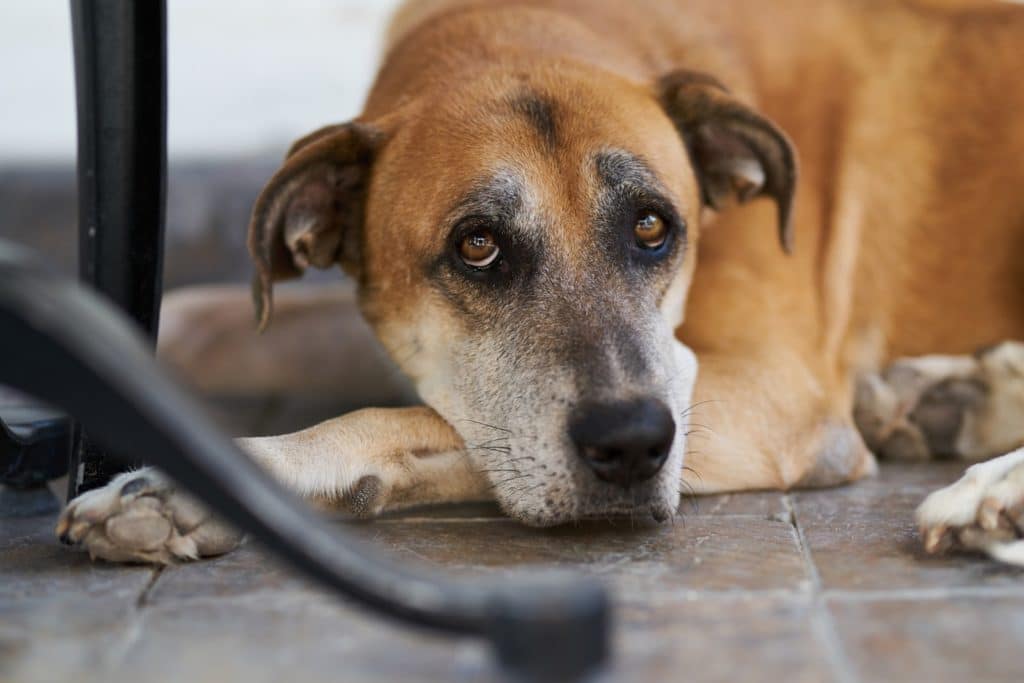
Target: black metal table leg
{"type": "Point", "coordinates": [120, 72]}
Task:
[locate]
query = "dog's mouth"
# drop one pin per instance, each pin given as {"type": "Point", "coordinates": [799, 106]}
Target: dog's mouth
{"type": "Point", "coordinates": [651, 512]}
{"type": "Point", "coordinates": [590, 499]}
{"type": "Point", "coordinates": [655, 511]}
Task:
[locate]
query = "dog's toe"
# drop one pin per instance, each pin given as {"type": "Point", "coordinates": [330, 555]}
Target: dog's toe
{"type": "Point", "coordinates": [141, 517]}
{"type": "Point", "coordinates": [880, 413]}
{"type": "Point", "coordinates": [983, 511]}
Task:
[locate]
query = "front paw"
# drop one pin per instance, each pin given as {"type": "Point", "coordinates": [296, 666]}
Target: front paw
{"type": "Point", "coordinates": [141, 517]}
{"type": "Point", "coordinates": [983, 510]}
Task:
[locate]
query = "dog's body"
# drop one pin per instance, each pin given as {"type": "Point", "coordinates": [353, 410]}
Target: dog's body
{"type": "Point", "coordinates": [525, 127]}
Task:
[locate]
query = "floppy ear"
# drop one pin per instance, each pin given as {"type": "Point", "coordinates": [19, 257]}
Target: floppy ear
{"type": "Point", "coordinates": [311, 211]}
{"type": "Point", "coordinates": [737, 153]}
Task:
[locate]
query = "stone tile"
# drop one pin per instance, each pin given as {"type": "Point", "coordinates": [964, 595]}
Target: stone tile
{"type": "Point", "coordinates": [965, 638]}
{"type": "Point", "coordinates": [720, 595]}
{"type": "Point", "coordinates": [248, 571]}
{"type": "Point", "coordinates": [720, 554]}
{"type": "Point", "coordinates": [303, 636]}
{"type": "Point", "coordinates": [760, 638]}
{"type": "Point", "coordinates": [696, 553]}
{"type": "Point", "coordinates": [61, 615]}
{"type": "Point", "coordinates": [759, 503]}
{"type": "Point", "coordinates": [459, 511]}
{"type": "Point", "coordinates": [291, 636]}
{"type": "Point", "coordinates": [34, 565]}
{"type": "Point", "coordinates": [864, 537]}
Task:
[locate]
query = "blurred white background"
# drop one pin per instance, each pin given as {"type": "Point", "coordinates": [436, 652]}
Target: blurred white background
{"type": "Point", "coordinates": [245, 76]}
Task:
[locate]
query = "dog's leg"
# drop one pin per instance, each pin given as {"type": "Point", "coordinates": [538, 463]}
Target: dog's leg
{"type": "Point", "coordinates": [767, 423]}
{"type": "Point", "coordinates": [373, 460]}
{"type": "Point", "coordinates": [984, 511]}
{"type": "Point", "coordinates": [966, 407]}
{"type": "Point", "coordinates": [362, 463]}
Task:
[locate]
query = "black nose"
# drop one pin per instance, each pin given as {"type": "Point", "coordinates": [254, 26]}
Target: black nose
{"type": "Point", "coordinates": [623, 442]}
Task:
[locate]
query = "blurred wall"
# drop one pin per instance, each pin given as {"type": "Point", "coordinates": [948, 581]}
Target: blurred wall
{"type": "Point", "coordinates": [245, 76]}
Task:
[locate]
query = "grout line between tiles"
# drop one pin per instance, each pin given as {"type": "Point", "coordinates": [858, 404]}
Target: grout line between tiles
{"type": "Point", "coordinates": [823, 622]}
{"type": "Point", "coordinates": [143, 598]}
{"type": "Point", "coordinates": [923, 594]}
{"type": "Point", "coordinates": [115, 655]}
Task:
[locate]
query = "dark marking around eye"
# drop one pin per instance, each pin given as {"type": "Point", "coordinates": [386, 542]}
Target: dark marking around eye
{"type": "Point", "coordinates": [539, 112]}
{"type": "Point", "coordinates": [617, 168]}
{"type": "Point", "coordinates": [498, 198]}
{"type": "Point", "coordinates": [494, 205]}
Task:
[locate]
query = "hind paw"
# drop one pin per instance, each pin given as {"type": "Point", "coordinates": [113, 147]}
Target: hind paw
{"type": "Point", "coordinates": [966, 407]}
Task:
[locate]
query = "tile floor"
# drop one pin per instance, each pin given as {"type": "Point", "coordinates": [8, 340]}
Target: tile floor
{"type": "Point", "coordinates": [811, 586]}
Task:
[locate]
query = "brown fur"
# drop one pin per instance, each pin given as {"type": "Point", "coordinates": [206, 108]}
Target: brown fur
{"type": "Point", "coordinates": [905, 227]}
{"type": "Point", "coordinates": [908, 224]}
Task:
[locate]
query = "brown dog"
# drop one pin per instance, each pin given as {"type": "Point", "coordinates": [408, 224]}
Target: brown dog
{"type": "Point", "coordinates": [538, 189]}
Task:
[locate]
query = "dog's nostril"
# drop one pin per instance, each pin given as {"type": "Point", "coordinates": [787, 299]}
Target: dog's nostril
{"type": "Point", "coordinates": [624, 442]}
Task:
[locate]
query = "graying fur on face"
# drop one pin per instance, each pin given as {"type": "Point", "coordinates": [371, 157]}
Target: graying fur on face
{"type": "Point", "coordinates": [517, 364]}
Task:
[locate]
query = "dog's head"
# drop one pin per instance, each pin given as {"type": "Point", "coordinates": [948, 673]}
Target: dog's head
{"type": "Point", "coordinates": [524, 247]}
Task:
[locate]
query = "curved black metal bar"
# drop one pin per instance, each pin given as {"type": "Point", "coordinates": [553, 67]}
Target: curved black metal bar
{"type": "Point", "coordinates": [66, 346]}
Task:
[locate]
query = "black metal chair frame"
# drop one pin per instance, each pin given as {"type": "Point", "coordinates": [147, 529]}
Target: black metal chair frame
{"type": "Point", "coordinates": [88, 351]}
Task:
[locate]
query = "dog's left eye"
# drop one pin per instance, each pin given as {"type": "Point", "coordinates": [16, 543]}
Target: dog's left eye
{"type": "Point", "coordinates": [650, 230]}
{"type": "Point", "coordinates": [479, 250]}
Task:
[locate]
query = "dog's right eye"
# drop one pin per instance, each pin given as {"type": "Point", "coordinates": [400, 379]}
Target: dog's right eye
{"type": "Point", "coordinates": [651, 231]}
{"type": "Point", "coordinates": [479, 250]}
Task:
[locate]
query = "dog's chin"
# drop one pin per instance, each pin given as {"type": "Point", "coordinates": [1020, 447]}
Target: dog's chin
{"type": "Point", "coordinates": [652, 513]}
{"type": "Point", "coordinates": [635, 507]}
{"type": "Point", "coordinates": [578, 495]}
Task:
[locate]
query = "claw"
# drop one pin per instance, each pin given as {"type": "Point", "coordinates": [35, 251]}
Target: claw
{"type": "Point", "coordinates": [62, 528]}
{"type": "Point", "coordinates": [937, 539]}
{"type": "Point", "coordinates": [990, 514]}
{"type": "Point", "coordinates": [78, 530]}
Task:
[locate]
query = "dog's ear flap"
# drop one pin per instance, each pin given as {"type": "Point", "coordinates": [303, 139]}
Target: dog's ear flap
{"type": "Point", "coordinates": [737, 153]}
{"type": "Point", "coordinates": [311, 211]}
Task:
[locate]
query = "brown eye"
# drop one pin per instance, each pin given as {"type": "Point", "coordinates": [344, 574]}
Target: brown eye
{"type": "Point", "coordinates": [650, 230]}
{"type": "Point", "coordinates": [478, 249]}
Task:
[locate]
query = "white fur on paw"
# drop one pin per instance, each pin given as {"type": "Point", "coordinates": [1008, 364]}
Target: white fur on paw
{"type": "Point", "coordinates": [983, 510]}
{"type": "Point", "coordinates": [141, 517]}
